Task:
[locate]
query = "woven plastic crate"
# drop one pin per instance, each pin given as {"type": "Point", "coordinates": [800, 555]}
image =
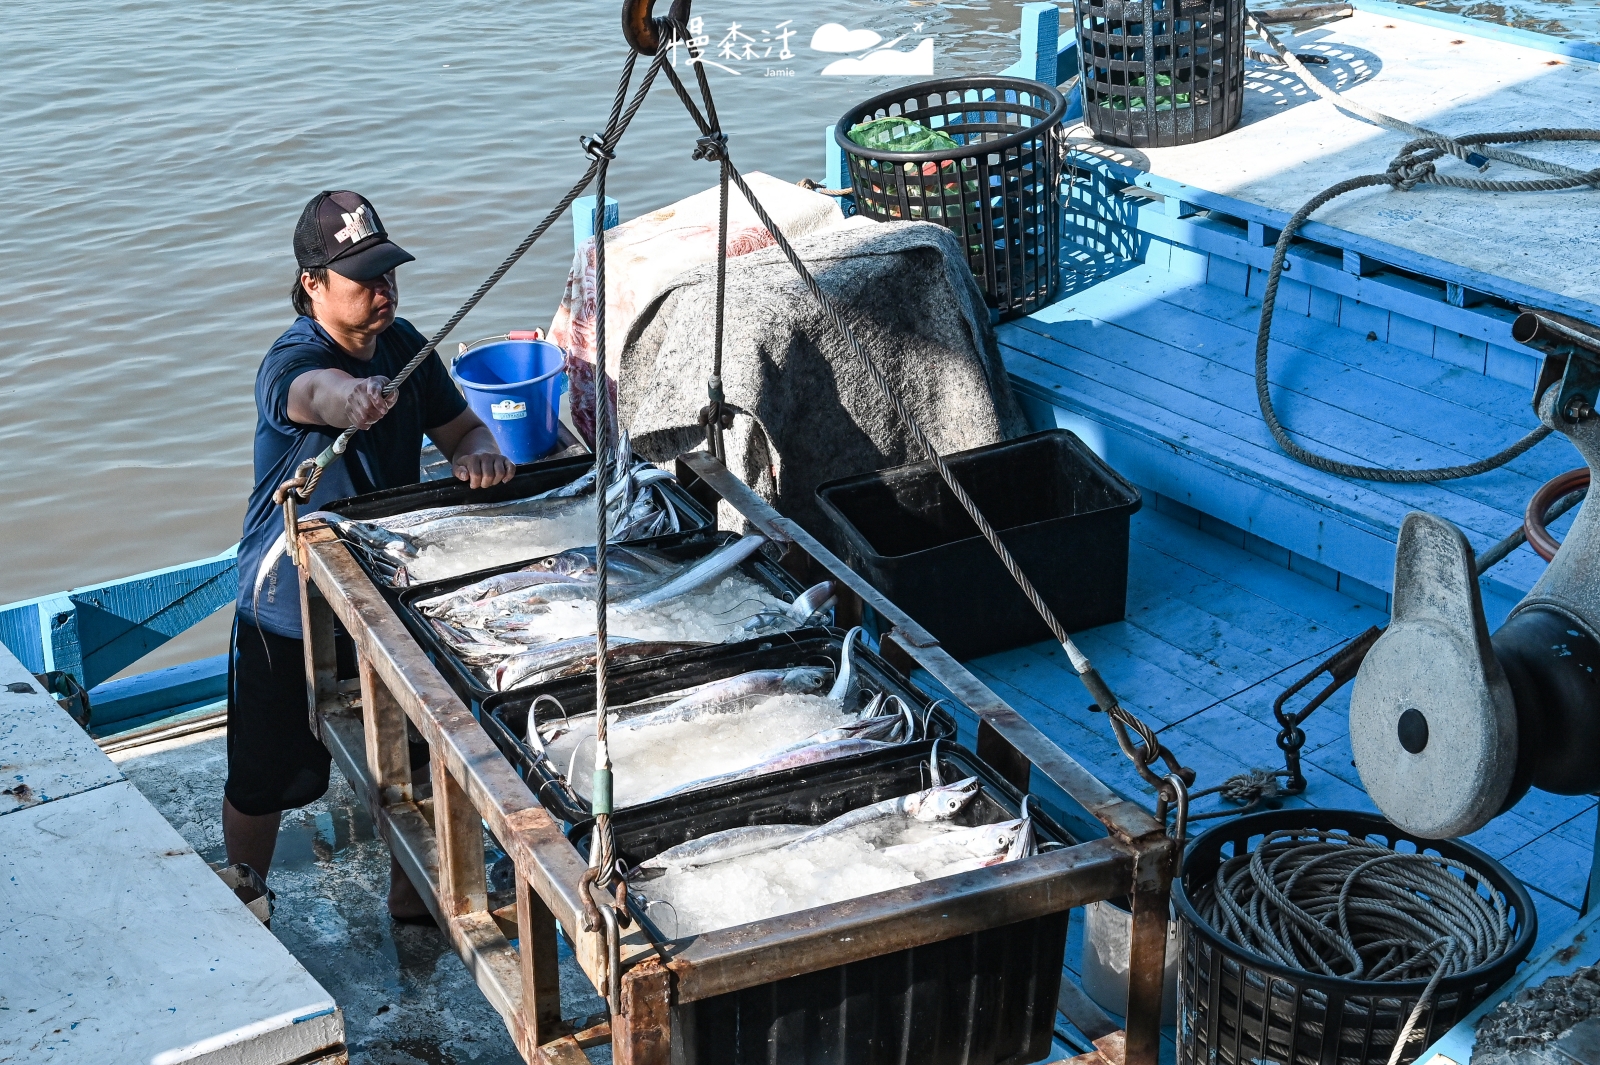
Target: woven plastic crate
{"type": "Point", "coordinates": [1238, 1008]}
{"type": "Point", "coordinates": [990, 173]}
{"type": "Point", "coordinates": [1161, 72]}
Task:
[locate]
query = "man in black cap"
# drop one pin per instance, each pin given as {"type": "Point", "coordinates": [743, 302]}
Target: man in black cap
{"type": "Point", "coordinates": [325, 374]}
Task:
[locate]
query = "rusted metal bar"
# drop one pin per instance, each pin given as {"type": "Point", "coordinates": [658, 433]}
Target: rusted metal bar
{"type": "Point", "coordinates": [642, 1031]}
{"type": "Point", "coordinates": [405, 828]}
{"type": "Point", "coordinates": [322, 658]}
{"type": "Point", "coordinates": [541, 977]}
{"type": "Point", "coordinates": [715, 963]}
{"type": "Point", "coordinates": [1147, 949]}
{"type": "Point", "coordinates": [463, 884]}
{"type": "Point", "coordinates": [1124, 819]}
{"type": "Point", "coordinates": [388, 754]}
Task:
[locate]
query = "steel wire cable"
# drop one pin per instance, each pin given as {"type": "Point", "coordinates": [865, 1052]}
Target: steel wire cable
{"type": "Point", "coordinates": [1412, 166]}
{"type": "Point", "coordinates": [1327, 902]}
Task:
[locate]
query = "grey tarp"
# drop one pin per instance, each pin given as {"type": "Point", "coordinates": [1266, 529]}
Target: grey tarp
{"type": "Point", "coordinates": [809, 412]}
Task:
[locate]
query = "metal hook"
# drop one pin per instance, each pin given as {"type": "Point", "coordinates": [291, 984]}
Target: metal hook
{"type": "Point", "coordinates": [933, 764]}
{"type": "Point", "coordinates": [645, 34]}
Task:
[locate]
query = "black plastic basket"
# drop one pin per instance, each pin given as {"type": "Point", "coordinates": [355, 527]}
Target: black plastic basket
{"type": "Point", "coordinates": [679, 546]}
{"type": "Point", "coordinates": [505, 716]}
{"type": "Point", "coordinates": [998, 191]}
{"type": "Point", "coordinates": [531, 479]}
{"type": "Point", "coordinates": [1237, 1008]}
{"type": "Point", "coordinates": [1061, 511]}
{"type": "Point", "coordinates": [1160, 72]}
{"type": "Point", "coordinates": [987, 998]}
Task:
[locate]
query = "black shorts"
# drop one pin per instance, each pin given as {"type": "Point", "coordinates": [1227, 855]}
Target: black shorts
{"type": "Point", "coordinates": [274, 762]}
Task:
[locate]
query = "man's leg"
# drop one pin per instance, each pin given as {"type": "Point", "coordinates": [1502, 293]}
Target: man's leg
{"type": "Point", "coordinates": [250, 840]}
{"type": "Point", "coordinates": [274, 762]}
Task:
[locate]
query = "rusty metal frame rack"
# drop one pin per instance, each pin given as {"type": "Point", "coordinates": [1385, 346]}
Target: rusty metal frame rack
{"type": "Point", "coordinates": [438, 840]}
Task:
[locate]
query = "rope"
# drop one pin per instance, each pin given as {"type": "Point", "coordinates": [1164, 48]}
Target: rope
{"type": "Point", "coordinates": [601, 150]}
{"type": "Point", "coordinates": [1323, 901]}
{"type": "Point", "coordinates": [309, 473]}
{"type": "Point", "coordinates": [1412, 166]}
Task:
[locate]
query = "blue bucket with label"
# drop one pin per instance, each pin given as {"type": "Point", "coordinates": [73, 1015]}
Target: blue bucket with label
{"type": "Point", "coordinates": [514, 382]}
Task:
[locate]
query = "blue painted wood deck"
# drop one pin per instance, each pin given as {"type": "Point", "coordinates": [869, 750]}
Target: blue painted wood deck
{"type": "Point", "coordinates": [1213, 634]}
{"type": "Point", "coordinates": [1154, 368]}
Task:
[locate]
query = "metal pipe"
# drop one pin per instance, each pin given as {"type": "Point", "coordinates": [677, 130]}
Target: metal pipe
{"type": "Point", "coordinates": [1531, 327]}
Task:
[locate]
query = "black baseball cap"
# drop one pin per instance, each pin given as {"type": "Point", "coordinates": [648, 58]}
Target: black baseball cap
{"type": "Point", "coordinates": [341, 231]}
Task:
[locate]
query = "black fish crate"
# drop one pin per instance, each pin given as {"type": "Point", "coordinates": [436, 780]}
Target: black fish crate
{"type": "Point", "coordinates": [997, 190]}
{"type": "Point", "coordinates": [682, 547]}
{"type": "Point", "coordinates": [505, 716]}
{"type": "Point", "coordinates": [986, 998]}
{"type": "Point", "coordinates": [531, 479]}
{"type": "Point", "coordinates": [1238, 1008]}
{"type": "Point", "coordinates": [1061, 511]}
{"type": "Point", "coordinates": [1160, 72]}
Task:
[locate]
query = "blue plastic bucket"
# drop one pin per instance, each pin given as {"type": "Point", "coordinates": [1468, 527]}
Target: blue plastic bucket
{"type": "Point", "coordinates": [514, 384]}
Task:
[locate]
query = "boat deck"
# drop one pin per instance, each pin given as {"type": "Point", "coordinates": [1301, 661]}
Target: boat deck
{"type": "Point", "coordinates": [1154, 366]}
{"type": "Point", "coordinates": [1213, 634]}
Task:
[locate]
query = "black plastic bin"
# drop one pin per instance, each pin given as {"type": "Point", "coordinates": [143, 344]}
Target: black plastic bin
{"type": "Point", "coordinates": [998, 190]}
{"type": "Point", "coordinates": [988, 998]}
{"type": "Point", "coordinates": [1062, 512]}
{"type": "Point", "coordinates": [1237, 1008]}
{"type": "Point", "coordinates": [682, 546]}
{"type": "Point", "coordinates": [505, 716]}
{"type": "Point", "coordinates": [1160, 72]}
{"type": "Point", "coordinates": [531, 479]}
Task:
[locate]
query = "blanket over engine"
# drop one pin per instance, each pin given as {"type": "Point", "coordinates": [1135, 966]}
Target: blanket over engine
{"type": "Point", "coordinates": [808, 412]}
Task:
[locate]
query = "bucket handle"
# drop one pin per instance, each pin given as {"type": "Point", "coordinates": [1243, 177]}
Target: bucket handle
{"type": "Point", "coordinates": [515, 334]}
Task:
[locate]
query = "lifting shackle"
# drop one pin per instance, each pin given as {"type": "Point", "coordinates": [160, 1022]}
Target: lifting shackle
{"type": "Point", "coordinates": [645, 34]}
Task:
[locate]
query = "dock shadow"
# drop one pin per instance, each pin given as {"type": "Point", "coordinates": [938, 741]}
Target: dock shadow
{"type": "Point", "coordinates": [1270, 90]}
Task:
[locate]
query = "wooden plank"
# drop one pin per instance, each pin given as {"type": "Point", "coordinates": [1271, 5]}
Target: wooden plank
{"type": "Point", "coordinates": [1211, 388]}
{"type": "Point", "coordinates": [715, 963]}
{"type": "Point", "coordinates": [530, 834]}
{"type": "Point", "coordinates": [1296, 336]}
{"type": "Point", "coordinates": [1252, 486]}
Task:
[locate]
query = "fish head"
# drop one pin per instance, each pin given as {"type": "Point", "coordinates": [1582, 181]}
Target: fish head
{"type": "Point", "coordinates": [806, 680]}
{"type": "Point", "coordinates": [1000, 838]}
{"type": "Point", "coordinates": [945, 801]}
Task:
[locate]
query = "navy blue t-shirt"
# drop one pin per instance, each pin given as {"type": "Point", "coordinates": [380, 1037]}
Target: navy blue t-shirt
{"type": "Point", "coordinates": [385, 456]}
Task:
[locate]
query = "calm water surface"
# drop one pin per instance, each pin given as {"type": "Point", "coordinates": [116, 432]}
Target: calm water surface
{"type": "Point", "coordinates": [156, 155]}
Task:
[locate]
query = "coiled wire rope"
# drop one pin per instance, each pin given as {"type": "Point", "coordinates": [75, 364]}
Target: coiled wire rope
{"type": "Point", "coordinates": [1324, 901]}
